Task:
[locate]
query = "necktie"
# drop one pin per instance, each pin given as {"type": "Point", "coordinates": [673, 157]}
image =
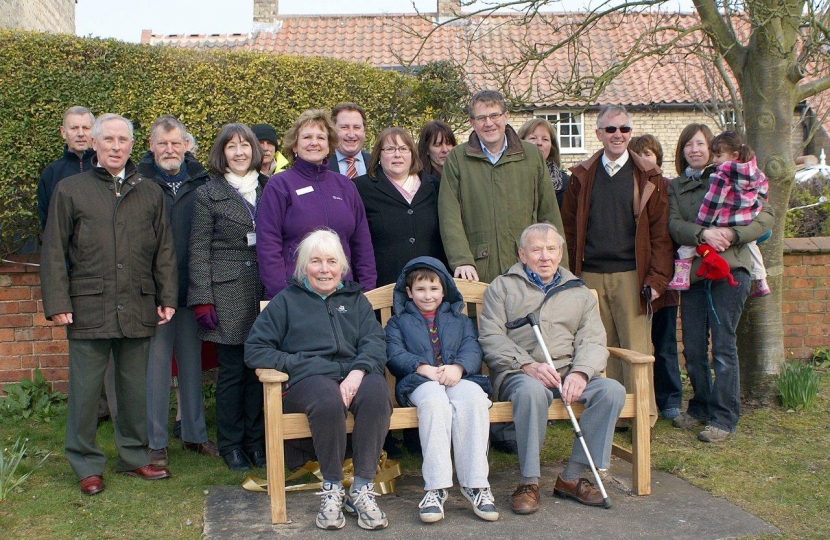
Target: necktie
{"type": "Point", "coordinates": [351, 170]}
{"type": "Point", "coordinates": [611, 167]}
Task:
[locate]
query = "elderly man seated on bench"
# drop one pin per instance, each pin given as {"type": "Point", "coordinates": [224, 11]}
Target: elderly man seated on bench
{"type": "Point", "coordinates": [571, 327]}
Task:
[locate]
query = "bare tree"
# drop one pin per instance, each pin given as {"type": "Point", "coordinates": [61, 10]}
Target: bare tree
{"type": "Point", "coordinates": [769, 57]}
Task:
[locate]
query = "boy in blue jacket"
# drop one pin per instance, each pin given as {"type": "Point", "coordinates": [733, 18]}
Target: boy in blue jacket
{"type": "Point", "coordinates": [434, 354]}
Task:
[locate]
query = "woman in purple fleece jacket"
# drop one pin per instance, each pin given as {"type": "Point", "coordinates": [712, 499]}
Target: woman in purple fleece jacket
{"type": "Point", "coordinates": [306, 197]}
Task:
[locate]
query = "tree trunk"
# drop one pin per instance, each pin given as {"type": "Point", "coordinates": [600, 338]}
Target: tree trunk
{"type": "Point", "coordinates": [769, 101]}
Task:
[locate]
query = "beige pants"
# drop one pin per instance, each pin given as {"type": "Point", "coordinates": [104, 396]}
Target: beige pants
{"type": "Point", "coordinates": [619, 307]}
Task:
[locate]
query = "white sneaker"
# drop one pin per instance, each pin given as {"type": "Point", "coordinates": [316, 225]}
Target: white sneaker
{"type": "Point", "coordinates": [330, 515]}
{"type": "Point", "coordinates": [432, 505]}
{"type": "Point", "coordinates": [362, 503]}
{"type": "Point", "coordinates": [483, 503]}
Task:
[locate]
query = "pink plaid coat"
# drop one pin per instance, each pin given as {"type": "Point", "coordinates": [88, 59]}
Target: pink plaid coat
{"type": "Point", "coordinates": [736, 195]}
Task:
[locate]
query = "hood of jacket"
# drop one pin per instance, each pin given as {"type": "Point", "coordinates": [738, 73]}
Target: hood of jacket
{"type": "Point", "coordinates": [745, 176]}
{"type": "Point", "coordinates": [514, 144]}
{"type": "Point", "coordinates": [146, 167]}
{"type": "Point", "coordinates": [451, 294]}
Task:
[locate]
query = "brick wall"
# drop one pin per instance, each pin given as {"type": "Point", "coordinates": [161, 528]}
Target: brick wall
{"type": "Point", "coordinates": [28, 341]}
{"type": "Point", "coordinates": [806, 300]}
{"type": "Point", "coordinates": [56, 16]}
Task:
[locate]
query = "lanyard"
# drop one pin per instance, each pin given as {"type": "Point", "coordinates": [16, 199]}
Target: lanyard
{"type": "Point", "coordinates": [247, 206]}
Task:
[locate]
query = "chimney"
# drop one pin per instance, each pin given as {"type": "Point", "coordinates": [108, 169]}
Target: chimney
{"type": "Point", "coordinates": [448, 9]}
{"type": "Point", "coordinates": [266, 12]}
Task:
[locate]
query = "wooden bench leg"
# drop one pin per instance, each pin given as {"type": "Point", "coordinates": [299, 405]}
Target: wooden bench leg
{"type": "Point", "coordinates": [641, 433]}
{"type": "Point", "coordinates": [274, 451]}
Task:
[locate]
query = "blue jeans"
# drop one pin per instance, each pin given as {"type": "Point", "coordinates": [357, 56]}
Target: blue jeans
{"type": "Point", "coordinates": [667, 389]}
{"type": "Point", "coordinates": [714, 402]}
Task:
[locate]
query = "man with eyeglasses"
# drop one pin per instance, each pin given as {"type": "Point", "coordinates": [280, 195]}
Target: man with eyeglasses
{"type": "Point", "coordinates": [492, 188]}
{"type": "Point", "coordinates": [615, 213]}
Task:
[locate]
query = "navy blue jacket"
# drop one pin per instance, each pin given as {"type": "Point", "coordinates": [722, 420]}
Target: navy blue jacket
{"type": "Point", "coordinates": [408, 344]}
{"type": "Point", "coordinates": [179, 210]}
{"type": "Point", "coordinates": [69, 165]}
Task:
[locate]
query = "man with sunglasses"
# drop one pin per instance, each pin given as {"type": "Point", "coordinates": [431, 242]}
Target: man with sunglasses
{"type": "Point", "coordinates": [615, 214]}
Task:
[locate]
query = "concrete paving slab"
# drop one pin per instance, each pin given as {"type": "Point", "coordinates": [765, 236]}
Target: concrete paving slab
{"type": "Point", "coordinates": [675, 510]}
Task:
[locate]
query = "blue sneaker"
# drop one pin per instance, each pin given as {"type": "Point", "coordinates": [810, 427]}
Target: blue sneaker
{"type": "Point", "coordinates": [670, 414]}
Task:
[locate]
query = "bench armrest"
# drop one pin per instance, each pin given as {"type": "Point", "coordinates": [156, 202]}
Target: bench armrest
{"type": "Point", "coordinates": [628, 356]}
{"type": "Point", "coordinates": [271, 376]}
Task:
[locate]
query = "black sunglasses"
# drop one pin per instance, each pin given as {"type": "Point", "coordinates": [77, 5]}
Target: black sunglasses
{"type": "Point", "coordinates": [613, 129]}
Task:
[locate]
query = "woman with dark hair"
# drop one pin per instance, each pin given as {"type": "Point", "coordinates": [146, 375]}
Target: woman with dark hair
{"type": "Point", "coordinates": [434, 144]}
{"type": "Point", "coordinates": [309, 196]}
{"type": "Point", "coordinates": [541, 133]}
{"type": "Point", "coordinates": [323, 333]}
{"type": "Point", "coordinates": [225, 289]}
{"type": "Point", "coordinates": [401, 204]}
{"type": "Point", "coordinates": [710, 306]}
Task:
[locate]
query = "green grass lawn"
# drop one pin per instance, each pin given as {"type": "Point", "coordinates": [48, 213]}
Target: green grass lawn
{"type": "Point", "coordinates": [777, 467]}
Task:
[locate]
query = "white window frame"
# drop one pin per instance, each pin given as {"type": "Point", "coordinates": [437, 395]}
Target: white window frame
{"type": "Point", "coordinates": [728, 119]}
{"type": "Point", "coordinates": [573, 140]}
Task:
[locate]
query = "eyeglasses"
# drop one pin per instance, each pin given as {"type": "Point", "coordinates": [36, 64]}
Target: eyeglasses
{"type": "Point", "coordinates": [392, 149]}
{"type": "Point", "coordinates": [494, 117]}
{"type": "Point", "coordinates": [613, 129]}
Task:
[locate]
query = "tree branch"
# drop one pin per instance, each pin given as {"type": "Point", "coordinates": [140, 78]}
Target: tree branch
{"type": "Point", "coordinates": [812, 88]}
{"type": "Point", "coordinates": [722, 35]}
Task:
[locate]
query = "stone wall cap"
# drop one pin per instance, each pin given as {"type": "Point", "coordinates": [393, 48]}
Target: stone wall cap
{"type": "Point", "coordinates": [807, 245]}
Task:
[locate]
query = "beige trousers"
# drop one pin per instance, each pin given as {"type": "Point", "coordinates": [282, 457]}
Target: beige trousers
{"type": "Point", "coordinates": [619, 307]}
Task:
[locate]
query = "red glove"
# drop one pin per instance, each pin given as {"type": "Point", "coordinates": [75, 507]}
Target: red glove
{"type": "Point", "coordinates": [206, 316]}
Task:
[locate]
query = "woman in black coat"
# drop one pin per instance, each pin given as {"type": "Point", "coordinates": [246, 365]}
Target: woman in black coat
{"type": "Point", "coordinates": [401, 205]}
{"type": "Point", "coordinates": [225, 289]}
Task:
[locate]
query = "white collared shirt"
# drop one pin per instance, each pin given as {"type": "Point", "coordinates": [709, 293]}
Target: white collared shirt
{"type": "Point", "coordinates": [622, 160]}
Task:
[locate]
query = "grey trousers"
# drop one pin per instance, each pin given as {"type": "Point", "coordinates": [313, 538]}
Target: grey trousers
{"type": "Point", "coordinates": [603, 399]}
{"type": "Point", "coordinates": [179, 336]}
{"type": "Point", "coordinates": [453, 415]}
{"type": "Point", "coordinates": [88, 360]}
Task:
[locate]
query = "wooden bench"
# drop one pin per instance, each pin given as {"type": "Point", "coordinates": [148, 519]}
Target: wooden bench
{"type": "Point", "coordinates": [280, 426]}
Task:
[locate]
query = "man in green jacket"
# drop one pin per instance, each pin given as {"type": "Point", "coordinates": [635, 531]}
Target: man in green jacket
{"type": "Point", "coordinates": [108, 272]}
{"type": "Point", "coordinates": [492, 187]}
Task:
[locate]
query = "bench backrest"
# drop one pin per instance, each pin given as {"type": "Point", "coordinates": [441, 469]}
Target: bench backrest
{"type": "Point", "coordinates": [382, 298]}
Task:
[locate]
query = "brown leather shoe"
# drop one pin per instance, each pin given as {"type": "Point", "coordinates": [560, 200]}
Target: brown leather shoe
{"type": "Point", "coordinates": [580, 490]}
{"type": "Point", "coordinates": [525, 500]}
{"type": "Point", "coordinates": [149, 472]}
{"type": "Point", "coordinates": [207, 448]}
{"type": "Point", "coordinates": [158, 457]}
{"type": "Point", "coordinates": [92, 485]}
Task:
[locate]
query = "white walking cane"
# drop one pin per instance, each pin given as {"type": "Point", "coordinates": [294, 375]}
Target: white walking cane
{"type": "Point", "coordinates": [531, 320]}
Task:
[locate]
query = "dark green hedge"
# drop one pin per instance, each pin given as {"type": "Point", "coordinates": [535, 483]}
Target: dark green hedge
{"type": "Point", "coordinates": [41, 75]}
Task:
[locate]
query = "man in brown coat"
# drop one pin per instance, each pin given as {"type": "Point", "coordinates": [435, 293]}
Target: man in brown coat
{"type": "Point", "coordinates": [108, 272]}
{"type": "Point", "coordinates": [615, 215]}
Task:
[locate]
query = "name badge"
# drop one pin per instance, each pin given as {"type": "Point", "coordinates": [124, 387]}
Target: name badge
{"type": "Point", "coordinates": [303, 191]}
{"type": "Point", "coordinates": [251, 237]}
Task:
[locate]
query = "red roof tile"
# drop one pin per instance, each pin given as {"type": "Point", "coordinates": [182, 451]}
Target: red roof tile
{"type": "Point", "coordinates": [481, 45]}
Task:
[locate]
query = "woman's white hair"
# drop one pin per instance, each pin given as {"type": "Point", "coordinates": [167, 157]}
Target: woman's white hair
{"type": "Point", "coordinates": [324, 241]}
